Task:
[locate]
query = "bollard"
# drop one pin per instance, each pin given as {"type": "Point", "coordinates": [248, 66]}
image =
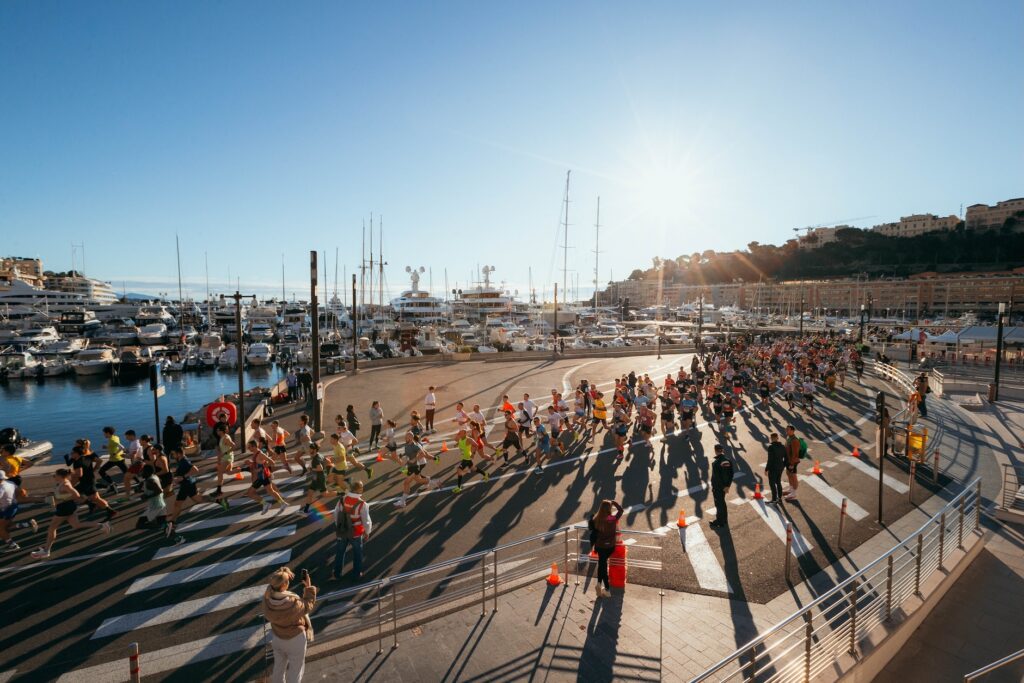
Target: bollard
{"type": "Point", "coordinates": [578, 555]}
{"type": "Point", "coordinates": [842, 524]}
{"type": "Point", "coordinates": [789, 546]}
{"type": "Point", "coordinates": [960, 530]}
{"type": "Point", "coordinates": [133, 663]}
{"type": "Point", "coordinates": [913, 478]}
{"type": "Point", "coordinates": [942, 538]}
{"type": "Point", "coordinates": [917, 565]}
{"type": "Point", "coordinates": [935, 468]}
{"type": "Point", "coordinates": [566, 553]}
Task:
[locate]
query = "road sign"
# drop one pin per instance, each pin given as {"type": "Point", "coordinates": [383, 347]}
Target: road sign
{"type": "Point", "coordinates": [161, 390]}
{"type": "Point", "coordinates": [319, 391]}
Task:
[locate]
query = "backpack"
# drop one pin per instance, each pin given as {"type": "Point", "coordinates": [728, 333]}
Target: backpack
{"type": "Point", "coordinates": [343, 525]}
{"type": "Point", "coordinates": [803, 450]}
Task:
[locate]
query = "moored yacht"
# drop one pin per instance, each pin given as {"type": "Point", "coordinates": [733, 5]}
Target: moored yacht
{"type": "Point", "coordinates": [259, 353]}
{"type": "Point", "coordinates": [152, 334]}
{"type": "Point", "coordinates": [418, 306]}
{"type": "Point", "coordinates": [93, 361]}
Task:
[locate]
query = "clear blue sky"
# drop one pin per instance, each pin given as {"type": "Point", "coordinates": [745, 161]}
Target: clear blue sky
{"type": "Point", "coordinates": [256, 129]}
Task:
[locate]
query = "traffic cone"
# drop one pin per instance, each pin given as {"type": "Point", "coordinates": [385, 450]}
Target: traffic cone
{"type": "Point", "coordinates": [444, 446]}
{"type": "Point", "coordinates": [856, 451]}
{"type": "Point", "coordinates": [757, 492]}
{"type": "Point", "coordinates": [380, 457]}
{"type": "Point", "coordinates": [682, 518]}
{"type": "Point", "coordinates": [238, 476]}
{"type": "Point", "coordinates": [554, 579]}
{"type": "Point", "coordinates": [817, 468]}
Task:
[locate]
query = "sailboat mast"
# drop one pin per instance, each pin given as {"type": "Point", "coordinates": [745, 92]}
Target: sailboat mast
{"type": "Point", "coordinates": [283, 296]}
{"type": "Point", "coordinates": [369, 297]}
{"type": "Point", "coordinates": [362, 269]}
{"type": "Point", "coordinates": [565, 247]}
{"type": "Point", "coordinates": [597, 250]}
{"type": "Point", "coordinates": [206, 260]}
{"type": "Point", "coordinates": [380, 280]}
{"type": "Point", "coordinates": [181, 299]}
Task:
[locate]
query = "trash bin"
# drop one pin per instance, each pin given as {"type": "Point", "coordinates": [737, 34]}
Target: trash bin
{"type": "Point", "coordinates": [991, 393]}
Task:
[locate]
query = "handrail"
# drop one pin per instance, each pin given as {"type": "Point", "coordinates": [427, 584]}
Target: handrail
{"type": "Point", "coordinates": [759, 641]}
{"type": "Point", "coordinates": [989, 668]}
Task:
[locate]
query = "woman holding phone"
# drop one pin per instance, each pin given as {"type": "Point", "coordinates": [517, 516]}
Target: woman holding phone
{"type": "Point", "coordinates": [288, 615]}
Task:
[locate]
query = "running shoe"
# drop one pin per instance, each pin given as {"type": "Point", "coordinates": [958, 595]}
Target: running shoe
{"type": "Point", "coordinates": [266, 507]}
{"type": "Point", "coordinates": [40, 554]}
{"type": "Point", "coordinates": [437, 458]}
{"type": "Point", "coordinates": [486, 476]}
{"type": "Point", "coordinates": [282, 504]}
{"type": "Point", "coordinates": [223, 502]}
{"type": "Point", "coordinates": [11, 546]}
{"type": "Point", "coordinates": [105, 528]}
{"type": "Point", "coordinates": [404, 470]}
{"type": "Point", "coordinates": [179, 539]}
{"type": "Point", "coordinates": [35, 525]}
{"type": "Point", "coordinates": [538, 470]}
{"type": "Point", "coordinates": [168, 529]}
{"type": "Point", "coordinates": [369, 473]}
{"type": "Point", "coordinates": [399, 503]}
{"type": "Point", "coordinates": [457, 489]}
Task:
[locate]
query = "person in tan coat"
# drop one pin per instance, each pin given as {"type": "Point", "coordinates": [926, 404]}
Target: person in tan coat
{"type": "Point", "coordinates": [288, 615]}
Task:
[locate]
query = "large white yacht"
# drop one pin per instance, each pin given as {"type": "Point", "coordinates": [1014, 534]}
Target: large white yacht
{"type": "Point", "coordinates": [416, 305]}
{"type": "Point", "coordinates": [18, 294]}
{"type": "Point", "coordinates": [94, 292]}
{"type": "Point", "coordinates": [482, 300]}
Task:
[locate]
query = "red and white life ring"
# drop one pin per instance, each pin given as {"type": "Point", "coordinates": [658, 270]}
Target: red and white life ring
{"type": "Point", "coordinates": [214, 411]}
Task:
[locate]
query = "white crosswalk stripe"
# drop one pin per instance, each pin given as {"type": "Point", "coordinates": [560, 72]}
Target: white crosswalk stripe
{"type": "Point", "coordinates": [188, 609]}
{"type": "Point", "coordinates": [279, 483]}
{"type": "Point", "coordinates": [209, 571]}
{"type": "Point", "coordinates": [891, 482]}
{"type": "Point", "coordinates": [834, 496]}
{"type": "Point", "coordinates": [219, 542]}
{"type": "Point", "coordinates": [773, 517]}
{"type": "Point", "coordinates": [229, 520]}
{"type": "Point", "coordinates": [709, 572]}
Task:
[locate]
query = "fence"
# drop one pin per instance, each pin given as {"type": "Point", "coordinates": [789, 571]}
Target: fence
{"type": "Point", "coordinates": [381, 609]}
{"type": "Point", "coordinates": [1013, 491]}
{"type": "Point", "coordinates": [816, 638]}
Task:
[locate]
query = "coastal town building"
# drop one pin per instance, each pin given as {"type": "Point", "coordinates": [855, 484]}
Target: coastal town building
{"type": "Point", "coordinates": [918, 224]}
{"type": "Point", "coordinates": [985, 217]}
{"type": "Point", "coordinates": [29, 270]}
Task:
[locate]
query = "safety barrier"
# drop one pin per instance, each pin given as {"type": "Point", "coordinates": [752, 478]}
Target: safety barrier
{"type": "Point", "coordinates": [818, 637]}
{"type": "Point", "coordinates": [994, 666]}
{"type": "Point", "coordinates": [1013, 488]}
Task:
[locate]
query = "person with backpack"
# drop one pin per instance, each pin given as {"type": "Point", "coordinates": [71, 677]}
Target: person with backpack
{"type": "Point", "coordinates": [603, 526]}
{"type": "Point", "coordinates": [721, 480]}
{"type": "Point", "coordinates": [793, 451]}
{"type": "Point", "coordinates": [352, 526]}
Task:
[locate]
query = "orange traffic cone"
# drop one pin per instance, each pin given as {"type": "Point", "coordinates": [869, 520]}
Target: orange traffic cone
{"type": "Point", "coordinates": [444, 446]}
{"type": "Point", "coordinates": [682, 518]}
{"type": "Point", "coordinates": [757, 492]}
{"type": "Point", "coordinates": [238, 475]}
{"type": "Point", "coordinates": [554, 579]}
{"type": "Point", "coordinates": [856, 451]}
{"type": "Point", "coordinates": [817, 468]}
{"type": "Point", "coordinates": [380, 457]}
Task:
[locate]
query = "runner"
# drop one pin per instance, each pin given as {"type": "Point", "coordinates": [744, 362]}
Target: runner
{"type": "Point", "coordinates": [279, 435]}
{"type": "Point", "coordinates": [316, 485]}
{"type": "Point", "coordinates": [600, 412]}
{"type": "Point", "coordinates": [668, 417]}
{"type": "Point", "coordinates": [185, 473]}
{"type": "Point", "coordinates": [260, 465]}
{"type": "Point", "coordinates": [620, 423]}
{"type": "Point", "coordinates": [466, 448]}
{"type": "Point", "coordinates": [115, 458]}
{"type": "Point", "coordinates": [67, 499]}
{"type": "Point", "coordinates": [543, 450]}
{"type": "Point", "coordinates": [10, 495]}
{"type": "Point", "coordinates": [789, 391]}
{"type": "Point", "coordinates": [225, 454]}
{"type": "Point", "coordinates": [390, 443]}
{"type": "Point", "coordinates": [555, 428]}
{"type": "Point", "coordinates": [134, 454]}
{"type": "Point", "coordinates": [808, 392]}
{"type": "Point", "coordinates": [336, 480]}
{"type": "Point", "coordinates": [83, 478]}
{"type": "Point", "coordinates": [416, 459]}
{"type": "Point", "coordinates": [154, 515]}
{"type": "Point", "coordinates": [511, 438]}
{"type": "Point", "coordinates": [348, 440]}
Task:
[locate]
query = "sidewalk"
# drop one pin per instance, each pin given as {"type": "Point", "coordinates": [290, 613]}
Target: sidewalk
{"type": "Point", "coordinates": [976, 623]}
{"type": "Point", "coordinates": [565, 633]}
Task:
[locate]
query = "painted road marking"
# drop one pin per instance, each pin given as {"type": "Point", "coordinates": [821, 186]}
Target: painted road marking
{"type": "Point", "coordinates": [178, 611]}
{"type": "Point", "coordinates": [891, 482]}
{"type": "Point", "coordinates": [775, 520]}
{"type": "Point", "coordinates": [834, 496]}
{"type": "Point", "coordinates": [242, 486]}
{"type": "Point", "coordinates": [238, 501]}
{"type": "Point", "coordinates": [172, 658]}
{"type": "Point", "coordinates": [230, 520]}
{"type": "Point", "coordinates": [66, 560]}
{"type": "Point", "coordinates": [710, 574]}
{"type": "Point", "coordinates": [219, 542]}
{"type": "Point", "coordinates": [209, 571]}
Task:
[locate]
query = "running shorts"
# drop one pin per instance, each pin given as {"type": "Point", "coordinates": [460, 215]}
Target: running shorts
{"type": "Point", "coordinates": [414, 469]}
{"type": "Point", "coordinates": [280, 450]}
{"type": "Point", "coordinates": [66, 508]}
{"type": "Point", "coordinates": [187, 489]}
{"type": "Point", "coordinates": [10, 511]}
{"type": "Point", "coordinates": [135, 467]}
{"type": "Point", "coordinates": [318, 482]}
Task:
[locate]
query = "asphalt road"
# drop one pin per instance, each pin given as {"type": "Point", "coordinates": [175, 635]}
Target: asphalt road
{"type": "Point", "coordinates": [196, 605]}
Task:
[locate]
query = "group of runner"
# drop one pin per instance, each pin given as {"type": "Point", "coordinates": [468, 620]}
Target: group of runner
{"type": "Point", "coordinates": [718, 383]}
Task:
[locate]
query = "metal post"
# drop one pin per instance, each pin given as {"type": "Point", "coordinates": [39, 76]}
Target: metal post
{"type": "Point", "coordinates": [888, 589]}
{"type": "Point", "coordinates": [942, 538]}
{"type": "Point", "coordinates": [241, 370]}
{"type": "Point", "coordinates": [380, 622]}
{"type": "Point", "coordinates": [495, 580]}
{"type": "Point", "coordinates": [566, 538]}
{"type": "Point", "coordinates": [913, 479]}
{"type": "Point", "coordinates": [801, 312]}
{"type": "Point", "coordinates": [853, 617]}
{"type": "Point", "coordinates": [315, 305]}
{"type": "Point", "coordinates": [808, 638]}
{"type": "Point", "coordinates": [935, 468]}
{"type": "Point", "coordinates": [483, 588]}
{"type": "Point", "coordinates": [960, 530]}
{"type": "Point", "coordinates": [661, 629]}
{"type": "Point", "coordinates": [554, 342]}
{"type": "Point", "coordinates": [883, 433]}
{"type": "Point", "coordinates": [999, 348]}
{"type": "Point", "coordinates": [789, 546]}
{"type": "Point", "coordinates": [977, 508]}
{"type": "Point", "coordinates": [355, 327]}
{"type": "Point", "coordinates": [133, 663]}
{"type": "Point", "coordinates": [394, 617]}
{"type": "Point", "coordinates": [842, 524]}
{"type": "Point", "coordinates": [578, 555]}
{"type": "Point", "coordinates": [917, 564]}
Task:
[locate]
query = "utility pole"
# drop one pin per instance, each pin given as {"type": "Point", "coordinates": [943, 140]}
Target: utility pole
{"type": "Point", "coordinates": [237, 296]}
{"type": "Point", "coordinates": [881, 446]}
{"type": "Point", "coordinates": [700, 319]}
{"type": "Point", "coordinates": [801, 312]}
{"type": "Point", "coordinates": [317, 388]}
{"type": "Point", "coordinates": [554, 342]}
{"type": "Point", "coordinates": [355, 326]}
{"type": "Point", "coordinates": [999, 350]}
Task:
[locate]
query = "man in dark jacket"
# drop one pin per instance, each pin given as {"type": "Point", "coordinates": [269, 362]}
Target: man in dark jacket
{"type": "Point", "coordinates": [172, 436]}
{"type": "Point", "coordinates": [775, 466]}
{"type": "Point", "coordinates": [721, 480]}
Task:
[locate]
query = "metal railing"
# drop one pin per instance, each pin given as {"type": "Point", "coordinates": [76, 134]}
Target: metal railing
{"type": "Point", "coordinates": [1013, 475]}
{"type": "Point", "coordinates": [816, 637]}
{"type": "Point", "coordinates": [985, 670]}
{"type": "Point", "coordinates": [380, 610]}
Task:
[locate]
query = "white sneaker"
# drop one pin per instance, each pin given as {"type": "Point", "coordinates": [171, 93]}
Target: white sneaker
{"type": "Point", "coordinates": [40, 554]}
{"type": "Point", "coordinates": [35, 525]}
{"type": "Point", "coordinates": [434, 485]}
{"type": "Point", "coordinates": [266, 507]}
{"type": "Point", "coordinates": [11, 546]}
{"type": "Point", "coordinates": [399, 503]}
{"type": "Point", "coordinates": [105, 528]}
{"type": "Point", "coordinates": [283, 505]}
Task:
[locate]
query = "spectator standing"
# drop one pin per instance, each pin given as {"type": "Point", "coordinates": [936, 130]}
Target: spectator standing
{"type": "Point", "coordinates": [721, 480]}
{"type": "Point", "coordinates": [173, 435]}
{"type": "Point", "coordinates": [292, 381]}
{"type": "Point", "coordinates": [774, 468]}
{"type": "Point", "coordinates": [376, 421]}
{"type": "Point", "coordinates": [288, 614]}
{"type": "Point", "coordinates": [792, 461]}
{"type": "Point", "coordinates": [603, 527]}
{"type": "Point", "coordinates": [429, 408]}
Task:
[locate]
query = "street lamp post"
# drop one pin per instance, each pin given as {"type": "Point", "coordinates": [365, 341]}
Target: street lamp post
{"type": "Point", "coordinates": [999, 349]}
{"type": "Point", "coordinates": [315, 305]}
{"type": "Point", "coordinates": [801, 312]}
{"type": "Point", "coordinates": [240, 358]}
{"type": "Point", "coordinates": [863, 319]}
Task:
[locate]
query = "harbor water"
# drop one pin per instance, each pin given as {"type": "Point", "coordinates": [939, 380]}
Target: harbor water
{"type": "Point", "coordinates": [62, 409]}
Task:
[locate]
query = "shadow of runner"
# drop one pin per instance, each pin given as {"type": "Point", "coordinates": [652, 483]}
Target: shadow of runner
{"type": "Point", "coordinates": [743, 627]}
